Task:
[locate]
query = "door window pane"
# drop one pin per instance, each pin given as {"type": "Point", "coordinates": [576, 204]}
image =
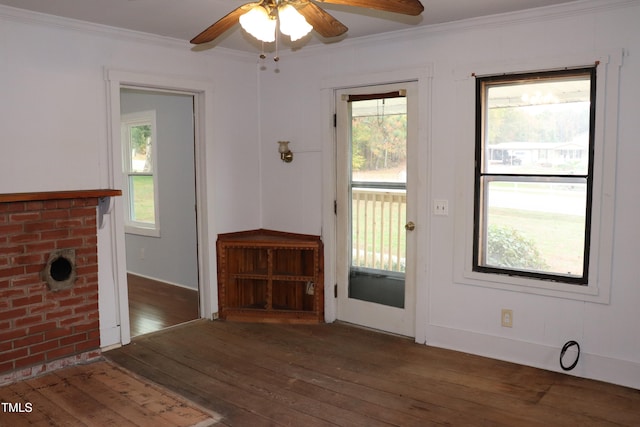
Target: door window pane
{"type": "Point", "coordinates": [378, 199]}
{"type": "Point", "coordinates": [378, 135]}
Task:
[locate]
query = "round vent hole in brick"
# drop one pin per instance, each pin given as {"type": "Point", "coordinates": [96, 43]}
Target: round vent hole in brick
{"type": "Point", "coordinates": [60, 270]}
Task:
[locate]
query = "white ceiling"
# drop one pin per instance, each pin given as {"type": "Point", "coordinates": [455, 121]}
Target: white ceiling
{"type": "Point", "coordinates": [184, 19]}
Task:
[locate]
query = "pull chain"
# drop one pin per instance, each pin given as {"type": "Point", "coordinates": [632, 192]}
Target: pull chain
{"type": "Point", "coordinates": [277, 58]}
{"type": "Point", "coordinates": [262, 55]}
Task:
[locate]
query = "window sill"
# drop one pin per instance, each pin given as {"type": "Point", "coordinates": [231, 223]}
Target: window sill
{"type": "Point", "coordinates": [588, 293]}
{"type": "Point", "coordinates": [142, 231]}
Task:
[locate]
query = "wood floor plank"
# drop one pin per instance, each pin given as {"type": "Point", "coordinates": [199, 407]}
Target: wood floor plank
{"type": "Point", "coordinates": [106, 398]}
{"type": "Point", "coordinates": [385, 398]}
{"type": "Point", "coordinates": [139, 403]}
{"type": "Point", "coordinates": [414, 371]}
{"type": "Point", "coordinates": [222, 398]}
{"type": "Point", "coordinates": [48, 412]}
{"type": "Point", "coordinates": [83, 408]}
{"type": "Point", "coordinates": [495, 392]}
{"type": "Point", "coordinates": [369, 403]}
{"type": "Point", "coordinates": [155, 305]}
{"type": "Point", "coordinates": [393, 383]}
{"type": "Point", "coordinates": [99, 394]}
{"type": "Point", "coordinates": [266, 374]}
{"type": "Point", "coordinates": [578, 400]}
{"type": "Point", "coordinates": [39, 415]}
{"type": "Point", "coordinates": [260, 378]}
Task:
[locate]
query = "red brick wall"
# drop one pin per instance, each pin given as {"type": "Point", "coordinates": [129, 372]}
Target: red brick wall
{"type": "Point", "coordinates": [38, 326]}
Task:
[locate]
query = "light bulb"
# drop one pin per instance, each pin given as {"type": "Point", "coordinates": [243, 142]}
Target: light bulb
{"type": "Point", "coordinates": [259, 24]}
{"type": "Point", "coordinates": [292, 23]}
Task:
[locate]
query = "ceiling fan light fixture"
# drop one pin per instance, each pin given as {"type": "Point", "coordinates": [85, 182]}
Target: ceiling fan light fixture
{"type": "Point", "coordinates": [296, 18]}
{"type": "Point", "coordinates": [292, 23]}
{"type": "Point", "coordinates": [259, 24]}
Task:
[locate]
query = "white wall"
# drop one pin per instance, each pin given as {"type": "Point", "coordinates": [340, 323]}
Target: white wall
{"type": "Point", "coordinates": [54, 122]}
{"type": "Point", "coordinates": [452, 314]}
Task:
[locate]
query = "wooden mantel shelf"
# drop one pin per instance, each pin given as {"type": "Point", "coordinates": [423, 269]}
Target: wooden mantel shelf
{"type": "Point", "coordinates": [58, 195]}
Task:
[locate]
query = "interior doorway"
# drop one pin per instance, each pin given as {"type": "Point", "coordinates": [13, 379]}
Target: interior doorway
{"type": "Point", "coordinates": [160, 223]}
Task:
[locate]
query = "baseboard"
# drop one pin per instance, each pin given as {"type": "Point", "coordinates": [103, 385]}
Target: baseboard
{"type": "Point", "coordinates": [616, 371]}
{"type": "Point", "coordinates": [109, 337]}
{"type": "Point", "coordinates": [162, 281]}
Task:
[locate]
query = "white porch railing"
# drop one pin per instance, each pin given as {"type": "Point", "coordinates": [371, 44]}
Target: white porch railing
{"type": "Point", "coordinates": [378, 234]}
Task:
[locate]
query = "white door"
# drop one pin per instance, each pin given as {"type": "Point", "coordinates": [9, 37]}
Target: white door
{"type": "Point", "coordinates": [376, 137]}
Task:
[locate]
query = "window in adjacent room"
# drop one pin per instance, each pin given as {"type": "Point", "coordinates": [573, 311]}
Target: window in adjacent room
{"type": "Point", "coordinates": [534, 174]}
{"type": "Point", "coordinates": [140, 175]}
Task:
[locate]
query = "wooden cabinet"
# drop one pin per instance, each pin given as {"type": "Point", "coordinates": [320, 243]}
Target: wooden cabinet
{"type": "Point", "coordinates": [270, 276]}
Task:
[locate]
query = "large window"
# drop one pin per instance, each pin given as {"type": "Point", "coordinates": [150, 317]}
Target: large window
{"type": "Point", "coordinates": [534, 174]}
{"type": "Point", "coordinates": [140, 175]}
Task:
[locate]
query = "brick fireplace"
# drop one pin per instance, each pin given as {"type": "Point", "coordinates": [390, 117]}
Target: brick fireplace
{"type": "Point", "coordinates": [48, 281]}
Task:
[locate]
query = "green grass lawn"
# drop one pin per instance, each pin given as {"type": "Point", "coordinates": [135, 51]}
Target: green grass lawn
{"type": "Point", "coordinates": [143, 206]}
{"type": "Point", "coordinates": [559, 238]}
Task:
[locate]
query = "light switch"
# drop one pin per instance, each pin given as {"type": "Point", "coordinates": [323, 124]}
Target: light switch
{"type": "Point", "coordinates": [441, 207]}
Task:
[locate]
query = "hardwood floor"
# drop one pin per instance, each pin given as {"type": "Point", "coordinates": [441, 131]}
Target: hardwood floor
{"type": "Point", "coordinates": [156, 305]}
{"type": "Point", "coordinates": [336, 374]}
{"type": "Point", "coordinates": [99, 394]}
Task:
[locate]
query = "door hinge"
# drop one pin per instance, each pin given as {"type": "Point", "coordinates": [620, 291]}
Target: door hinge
{"type": "Point", "coordinates": [335, 207]}
{"type": "Point", "coordinates": [335, 120]}
{"type": "Point", "coordinates": [335, 290]}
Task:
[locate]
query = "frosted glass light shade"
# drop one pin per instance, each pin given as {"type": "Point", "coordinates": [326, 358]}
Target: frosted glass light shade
{"type": "Point", "coordinates": [292, 23]}
{"type": "Point", "coordinates": [258, 23]}
{"type": "Point", "coordinates": [283, 147]}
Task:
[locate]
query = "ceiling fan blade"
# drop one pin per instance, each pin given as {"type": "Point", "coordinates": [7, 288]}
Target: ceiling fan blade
{"type": "Point", "coordinates": [222, 25]}
{"type": "Point", "coordinates": [405, 7]}
{"type": "Point", "coordinates": [323, 23]}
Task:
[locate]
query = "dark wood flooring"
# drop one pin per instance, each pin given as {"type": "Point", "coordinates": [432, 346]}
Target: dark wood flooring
{"type": "Point", "coordinates": [156, 305]}
{"type": "Point", "coordinates": [336, 374]}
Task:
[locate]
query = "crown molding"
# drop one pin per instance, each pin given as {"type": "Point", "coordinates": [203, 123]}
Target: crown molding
{"type": "Point", "coordinates": [546, 13]}
{"type": "Point", "coordinates": [28, 17]}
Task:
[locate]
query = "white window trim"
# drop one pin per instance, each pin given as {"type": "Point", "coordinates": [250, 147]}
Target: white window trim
{"type": "Point", "coordinates": [604, 173]}
{"type": "Point", "coordinates": [133, 227]}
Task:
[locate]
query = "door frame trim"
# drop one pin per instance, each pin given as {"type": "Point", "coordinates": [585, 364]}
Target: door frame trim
{"type": "Point", "coordinates": [423, 76]}
{"type": "Point", "coordinates": [202, 93]}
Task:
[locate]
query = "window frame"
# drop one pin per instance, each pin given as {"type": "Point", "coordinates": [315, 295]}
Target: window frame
{"type": "Point", "coordinates": [127, 121]}
{"type": "Point", "coordinates": [483, 178]}
{"type": "Point", "coordinates": [598, 288]}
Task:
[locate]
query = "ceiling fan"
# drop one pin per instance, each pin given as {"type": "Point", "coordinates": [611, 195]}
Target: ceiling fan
{"type": "Point", "coordinates": [260, 18]}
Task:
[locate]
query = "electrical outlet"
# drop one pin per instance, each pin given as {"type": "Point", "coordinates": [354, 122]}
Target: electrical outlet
{"type": "Point", "coordinates": [441, 207]}
{"type": "Point", "coordinates": [507, 318]}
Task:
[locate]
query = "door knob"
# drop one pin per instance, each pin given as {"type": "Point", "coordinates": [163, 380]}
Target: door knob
{"type": "Point", "coordinates": [410, 226]}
